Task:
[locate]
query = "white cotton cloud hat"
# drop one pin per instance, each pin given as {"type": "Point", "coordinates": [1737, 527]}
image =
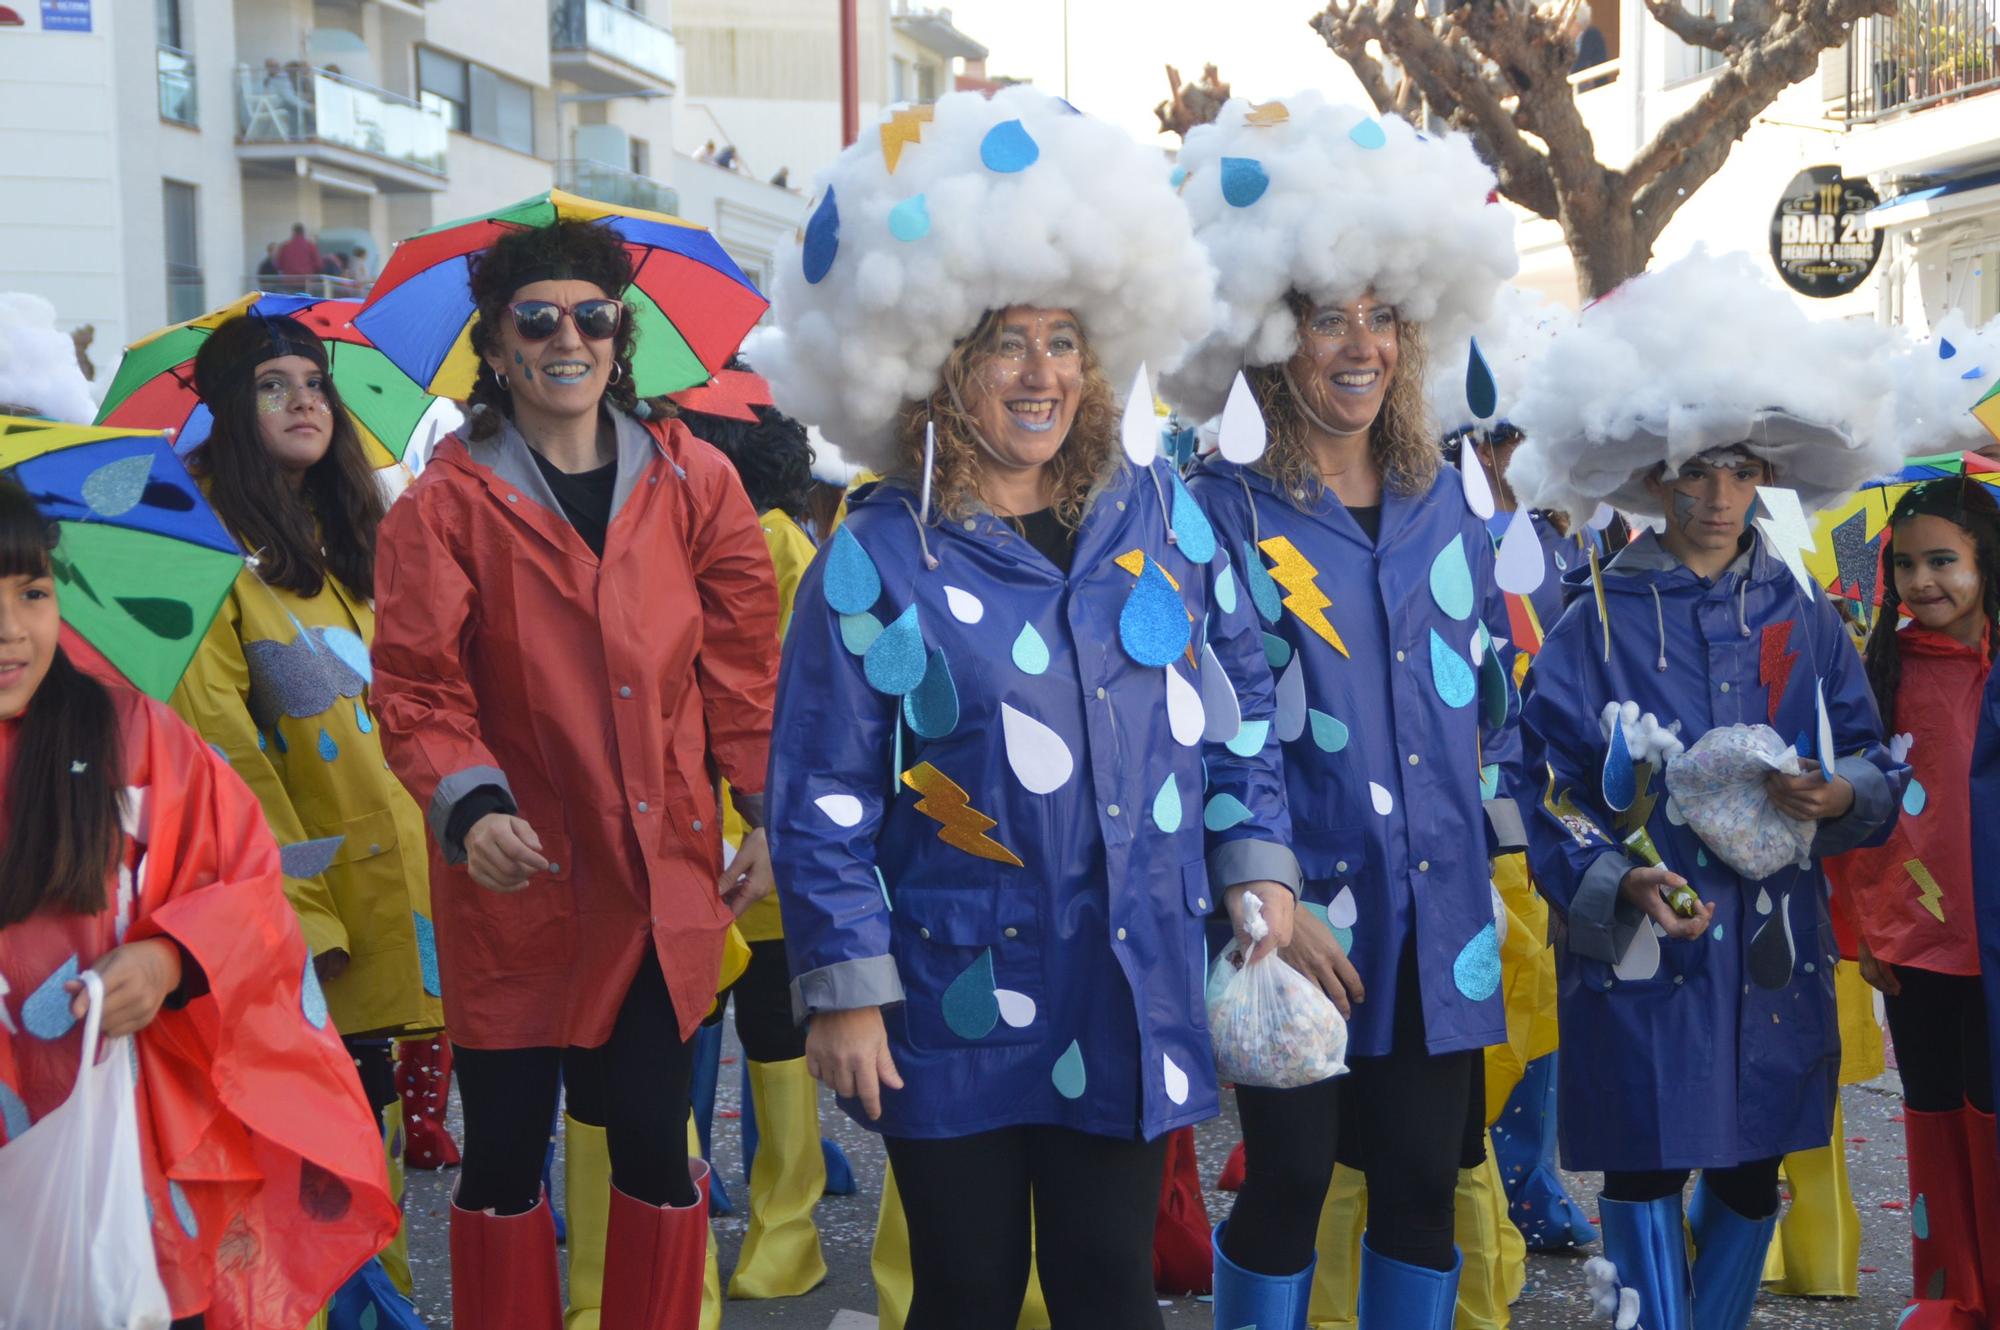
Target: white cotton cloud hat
{"type": "Point", "coordinates": [923, 225]}
{"type": "Point", "coordinates": [1512, 339]}
{"type": "Point", "coordinates": [1939, 379]}
{"type": "Point", "coordinates": [38, 368]}
{"type": "Point", "coordinates": [1704, 353]}
{"type": "Point", "coordinates": [1328, 200]}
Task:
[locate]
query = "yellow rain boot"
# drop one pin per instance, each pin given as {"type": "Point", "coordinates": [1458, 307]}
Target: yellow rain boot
{"type": "Point", "coordinates": [711, 1278]}
{"type": "Point", "coordinates": [586, 1209]}
{"type": "Point", "coordinates": [1034, 1311]}
{"type": "Point", "coordinates": [889, 1261]}
{"type": "Point", "coordinates": [1336, 1285]}
{"type": "Point", "coordinates": [1487, 1281]}
{"type": "Point", "coordinates": [395, 1257]}
{"type": "Point", "coordinates": [781, 1256]}
{"type": "Point", "coordinates": [318, 1322]}
{"type": "Point", "coordinates": [1817, 1251]}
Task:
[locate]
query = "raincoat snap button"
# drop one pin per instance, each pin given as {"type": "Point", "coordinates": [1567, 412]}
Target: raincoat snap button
{"type": "Point", "coordinates": [1112, 810]}
{"type": "Point", "coordinates": [1414, 759]}
{"type": "Point", "coordinates": [513, 498]}
{"type": "Point", "coordinates": [924, 933]}
{"type": "Point", "coordinates": [1201, 902]}
{"type": "Point", "coordinates": [1725, 685]}
{"type": "Point", "coordinates": [971, 525]}
{"type": "Point", "coordinates": [1340, 867]}
{"type": "Point", "coordinates": [554, 867]}
{"type": "Point", "coordinates": [1121, 935]}
{"type": "Point", "coordinates": [1423, 865]}
{"type": "Point", "coordinates": [376, 848]}
{"type": "Point", "coordinates": [697, 824]}
{"type": "Point", "coordinates": [1400, 656]}
{"type": "Point", "coordinates": [1100, 694]}
{"type": "Point", "coordinates": [625, 691]}
{"type": "Point", "coordinates": [1680, 978]}
{"type": "Point", "coordinates": [1121, 505]}
{"type": "Point", "coordinates": [644, 807]}
{"type": "Point", "coordinates": [1012, 932]}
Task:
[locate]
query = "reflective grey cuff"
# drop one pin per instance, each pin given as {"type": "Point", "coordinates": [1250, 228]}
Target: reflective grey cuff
{"type": "Point", "coordinates": [1503, 818]}
{"type": "Point", "coordinates": [1253, 861]}
{"type": "Point", "coordinates": [1600, 922]}
{"type": "Point", "coordinates": [1873, 803]}
{"type": "Point", "coordinates": [446, 796]}
{"type": "Point", "coordinates": [867, 981]}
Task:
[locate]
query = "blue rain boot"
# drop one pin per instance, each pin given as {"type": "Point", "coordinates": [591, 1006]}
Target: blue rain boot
{"type": "Point", "coordinates": [368, 1301]}
{"type": "Point", "coordinates": [1728, 1260]}
{"type": "Point", "coordinates": [1645, 1240]}
{"type": "Point", "coordinates": [1395, 1296]}
{"type": "Point", "coordinates": [839, 1173]}
{"type": "Point", "coordinates": [1524, 1146]}
{"type": "Point", "coordinates": [548, 1170]}
{"type": "Point", "coordinates": [1246, 1301]}
{"type": "Point", "coordinates": [707, 1068]}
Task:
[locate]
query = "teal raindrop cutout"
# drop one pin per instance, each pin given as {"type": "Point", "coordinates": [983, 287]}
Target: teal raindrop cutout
{"type": "Point", "coordinates": [850, 582]}
{"type": "Point", "coordinates": [1920, 1218]}
{"type": "Point", "coordinates": [427, 953]}
{"type": "Point", "coordinates": [1477, 969]}
{"type": "Point", "coordinates": [183, 1211]}
{"type": "Point", "coordinates": [970, 1009]}
{"type": "Point", "coordinates": [1481, 397]}
{"type": "Point", "coordinates": [1068, 1075]}
{"type": "Point", "coordinates": [328, 749]}
{"type": "Point", "coordinates": [931, 707]}
{"type": "Point", "coordinates": [361, 719]}
{"type": "Point", "coordinates": [1250, 738]}
{"type": "Point", "coordinates": [1489, 781]}
{"type": "Point", "coordinates": [1915, 797]}
{"type": "Point", "coordinates": [1701, 861]}
{"type": "Point", "coordinates": [312, 999]}
{"type": "Point", "coordinates": [1223, 812]}
{"type": "Point", "coordinates": [1493, 686]}
{"type": "Point", "coordinates": [1453, 678]}
{"type": "Point", "coordinates": [1225, 588]}
{"type": "Point", "coordinates": [1716, 932]}
{"type": "Point", "coordinates": [262, 742]}
{"type": "Point", "coordinates": [1031, 653]}
{"type": "Point", "coordinates": [1328, 732]}
{"type": "Point", "coordinates": [895, 662]}
{"type": "Point", "coordinates": [278, 739]}
{"type": "Point", "coordinates": [1192, 533]}
{"type": "Point", "coordinates": [1008, 147]}
{"type": "Point", "coordinates": [115, 488]}
{"type": "Point", "coordinates": [1368, 133]}
{"type": "Point", "coordinates": [1277, 651]}
{"type": "Point", "coordinates": [1451, 581]}
{"type": "Point", "coordinates": [1153, 625]}
{"type": "Point", "coordinates": [1167, 806]}
{"type": "Point", "coordinates": [911, 219]}
{"type": "Point", "coordinates": [1244, 181]}
{"type": "Point", "coordinates": [1264, 591]}
{"type": "Point", "coordinates": [859, 631]}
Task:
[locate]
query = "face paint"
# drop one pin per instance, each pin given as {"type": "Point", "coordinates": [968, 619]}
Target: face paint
{"type": "Point", "coordinates": [274, 396]}
{"type": "Point", "coordinates": [1935, 564]}
{"type": "Point", "coordinates": [1684, 508]}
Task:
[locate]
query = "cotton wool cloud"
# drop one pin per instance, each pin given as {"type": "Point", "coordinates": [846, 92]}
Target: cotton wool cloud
{"type": "Point", "coordinates": [1513, 337]}
{"type": "Point", "coordinates": [922, 226]}
{"type": "Point", "coordinates": [38, 367]}
{"type": "Point", "coordinates": [1939, 379]}
{"type": "Point", "coordinates": [1331, 201]}
{"type": "Point", "coordinates": [1703, 353]}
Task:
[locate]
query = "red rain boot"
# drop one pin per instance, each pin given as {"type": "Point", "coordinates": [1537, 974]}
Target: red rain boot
{"type": "Point", "coordinates": [1982, 1149]}
{"type": "Point", "coordinates": [1232, 1171]}
{"type": "Point", "coordinates": [1943, 1229]}
{"type": "Point", "coordinates": [1183, 1261]}
{"type": "Point", "coordinates": [503, 1270]}
{"type": "Point", "coordinates": [654, 1259]}
{"type": "Point", "coordinates": [423, 1079]}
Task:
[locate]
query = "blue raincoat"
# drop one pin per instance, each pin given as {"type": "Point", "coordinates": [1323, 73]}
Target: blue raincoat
{"type": "Point", "coordinates": [1985, 794]}
{"type": "Point", "coordinates": [1723, 1050]}
{"type": "Point", "coordinates": [1390, 733]}
{"type": "Point", "coordinates": [992, 804]}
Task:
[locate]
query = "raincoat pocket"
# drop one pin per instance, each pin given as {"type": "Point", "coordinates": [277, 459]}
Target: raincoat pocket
{"type": "Point", "coordinates": [1655, 1009]}
{"type": "Point", "coordinates": [972, 966]}
{"type": "Point", "coordinates": [517, 922]}
{"type": "Point", "coordinates": [1333, 862]}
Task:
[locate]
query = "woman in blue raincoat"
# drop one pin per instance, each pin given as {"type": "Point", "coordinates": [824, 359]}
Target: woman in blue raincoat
{"type": "Point", "coordinates": [1703, 1038]}
{"type": "Point", "coordinates": [1009, 787]}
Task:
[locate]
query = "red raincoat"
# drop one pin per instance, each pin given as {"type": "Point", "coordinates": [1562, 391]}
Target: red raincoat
{"type": "Point", "coordinates": [606, 696]}
{"type": "Point", "coordinates": [1887, 890]}
{"type": "Point", "coordinates": [262, 1160]}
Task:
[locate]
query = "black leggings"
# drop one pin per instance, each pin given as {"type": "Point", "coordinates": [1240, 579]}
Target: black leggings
{"type": "Point", "coordinates": [1938, 1023]}
{"type": "Point", "coordinates": [1751, 1189]}
{"type": "Point", "coordinates": [635, 1086]}
{"type": "Point", "coordinates": [763, 998]}
{"type": "Point", "coordinates": [1409, 1120]}
{"type": "Point", "coordinates": [967, 1200]}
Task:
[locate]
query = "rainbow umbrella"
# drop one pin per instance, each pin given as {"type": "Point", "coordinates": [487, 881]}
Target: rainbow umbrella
{"type": "Point", "coordinates": [154, 385]}
{"type": "Point", "coordinates": [692, 305]}
{"type": "Point", "coordinates": [143, 563]}
{"type": "Point", "coordinates": [1848, 538]}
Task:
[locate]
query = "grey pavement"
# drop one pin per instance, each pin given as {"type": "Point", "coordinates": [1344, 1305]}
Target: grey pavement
{"type": "Point", "coordinates": [1553, 1300]}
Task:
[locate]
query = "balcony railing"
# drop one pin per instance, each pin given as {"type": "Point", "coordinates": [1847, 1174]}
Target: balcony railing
{"type": "Point", "coordinates": [177, 94]}
{"type": "Point", "coordinates": [615, 32]}
{"type": "Point", "coordinates": [1927, 52]}
{"type": "Point", "coordinates": [313, 106]}
{"type": "Point", "coordinates": [327, 288]}
{"type": "Point", "coordinates": [609, 184]}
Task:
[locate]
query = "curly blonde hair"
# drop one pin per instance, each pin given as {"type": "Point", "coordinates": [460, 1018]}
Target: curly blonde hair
{"type": "Point", "coordinates": [1074, 472]}
{"type": "Point", "coordinates": [1402, 441]}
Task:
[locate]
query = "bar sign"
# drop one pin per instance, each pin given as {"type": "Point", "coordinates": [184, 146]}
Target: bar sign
{"type": "Point", "coordinates": [65, 15]}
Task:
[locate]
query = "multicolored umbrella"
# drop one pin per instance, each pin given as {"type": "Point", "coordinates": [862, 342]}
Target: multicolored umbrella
{"type": "Point", "coordinates": [692, 304]}
{"type": "Point", "coordinates": [1848, 537]}
{"type": "Point", "coordinates": [144, 562]}
{"type": "Point", "coordinates": [733, 394]}
{"type": "Point", "coordinates": [154, 385]}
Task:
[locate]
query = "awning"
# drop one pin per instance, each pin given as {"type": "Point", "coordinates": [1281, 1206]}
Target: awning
{"type": "Point", "coordinates": [1966, 194]}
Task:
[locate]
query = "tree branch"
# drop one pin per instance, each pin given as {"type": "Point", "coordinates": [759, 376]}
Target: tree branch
{"type": "Point", "coordinates": [1694, 29]}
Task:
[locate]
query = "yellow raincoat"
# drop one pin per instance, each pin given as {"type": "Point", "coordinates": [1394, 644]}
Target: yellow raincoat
{"type": "Point", "coordinates": [279, 687]}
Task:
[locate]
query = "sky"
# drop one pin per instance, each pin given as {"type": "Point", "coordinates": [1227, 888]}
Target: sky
{"type": "Point", "coordinates": [1119, 50]}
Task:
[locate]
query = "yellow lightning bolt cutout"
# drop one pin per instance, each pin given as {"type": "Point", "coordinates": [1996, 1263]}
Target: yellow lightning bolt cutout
{"type": "Point", "coordinates": [1133, 561]}
{"type": "Point", "coordinates": [960, 825]}
{"type": "Point", "coordinates": [1929, 894]}
{"type": "Point", "coordinates": [901, 128]}
{"type": "Point", "coordinates": [1574, 820]}
{"type": "Point", "coordinates": [1295, 573]}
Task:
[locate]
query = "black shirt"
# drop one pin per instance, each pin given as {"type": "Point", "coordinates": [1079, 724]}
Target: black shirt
{"type": "Point", "coordinates": [585, 498]}
{"type": "Point", "coordinates": [1050, 537]}
{"type": "Point", "coordinates": [1369, 519]}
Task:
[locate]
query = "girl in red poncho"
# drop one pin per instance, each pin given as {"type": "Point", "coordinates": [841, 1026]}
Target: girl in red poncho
{"type": "Point", "coordinates": [1911, 898]}
{"type": "Point", "coordinates": [129, 848]}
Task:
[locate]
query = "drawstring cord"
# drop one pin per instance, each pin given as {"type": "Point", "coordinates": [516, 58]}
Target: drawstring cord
{"type": "Point", "coordinates": [1660, 625]}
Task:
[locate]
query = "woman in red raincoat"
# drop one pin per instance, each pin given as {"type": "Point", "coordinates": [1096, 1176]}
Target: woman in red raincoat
{"type": "Point", "coordinates": [573, 643]}
{"type": "Point", "coordinates": [129, 848]}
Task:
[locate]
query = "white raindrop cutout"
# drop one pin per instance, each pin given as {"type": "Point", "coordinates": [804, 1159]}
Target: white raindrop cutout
{"type": "Point", "coordinates": [1222, 712]}
{"type": "Point", "coordinates": [964, 606]}
{"type": "Point", "coordinates": [1185, 719]}
{"type": "Point", "coordinates": [1385, 803]}
{"type": "Point", "coordinates": [1290, 721]}
{"type": "Point", "coordinates": [1177, 1081]}
{"type": "Point", "coordinates": [844, 809]}
{"type": "Point", "coordinates": [1243, 433]}
{"type": "Point", "coordinates": [1017, 1009]}
{"type": "Point", "coordinates": [1040, 759]}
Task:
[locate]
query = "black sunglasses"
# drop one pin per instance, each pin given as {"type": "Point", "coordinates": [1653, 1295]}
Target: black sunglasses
{"type": "Point", "coordinates": [537, 320]}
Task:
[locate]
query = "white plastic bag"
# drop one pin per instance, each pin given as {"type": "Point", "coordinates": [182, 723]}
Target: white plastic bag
{"type": "Point", "coordinates": [1718, 786]}
{"type": "Point", "coordinates": [79, 1249]}
{"type": "Point", "coordinates": [1271, 1025]}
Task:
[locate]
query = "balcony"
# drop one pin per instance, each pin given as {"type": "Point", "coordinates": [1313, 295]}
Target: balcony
{"type": "Point", "coordinates": [1927, 53]}
{"type": "Point", "coordinates": [289, 118]}
{"type": "Point", "coordinates": [608, 48]}
{"type": "Point", "coordinates": [326, 288]}
{"type": "Point", "coordinates": [178, 104]}
{"type": "Point", "coordinates": [609, 184]}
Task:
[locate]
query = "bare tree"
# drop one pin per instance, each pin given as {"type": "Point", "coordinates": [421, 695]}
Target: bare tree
{"type": "Point", "coordinates": [1499, 70]}
{"type": "Point", "coordinates": [1191, 104]}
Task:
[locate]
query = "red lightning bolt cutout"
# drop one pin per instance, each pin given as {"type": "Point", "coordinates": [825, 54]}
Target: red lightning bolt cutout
{"type": "Point", "coordinates": [1774, 663]}
{"type": "Point", "coordinates": [960, 825]}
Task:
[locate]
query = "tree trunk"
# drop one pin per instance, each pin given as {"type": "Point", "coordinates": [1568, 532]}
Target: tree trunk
{"type": "Point", "coordinates": [1606, 248]}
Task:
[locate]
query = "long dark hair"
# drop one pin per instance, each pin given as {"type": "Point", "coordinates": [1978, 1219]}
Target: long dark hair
{"type": "Point", "coordinates": [564, 251]}
{"type": "Point", "coordinates": [1966, 504]}
{"type": "Point", "coordinates": [67, 779]}
{"type": "Point", "coordinates": [328, 524]}
{"type": "Point", "coordinates": [771, 455]}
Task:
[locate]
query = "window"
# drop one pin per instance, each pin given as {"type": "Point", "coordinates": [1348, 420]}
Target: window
{"type": "Point", "coordinates": [926, 82]}
{"type": "Point", "coordinates": [443, 86]}
{"type": "Point", "coordinates": [167, 24]}
{"type": "Point", "coordinates": [641, 162]}
{"type": "Point", "coordinates": [186, 296]}
{"type": "Point", "coordinates": [1686, 62]}
{"type": "Point", "coordinates": [475, 100]}
{"type": "Point", "coordinates": [899, 79]}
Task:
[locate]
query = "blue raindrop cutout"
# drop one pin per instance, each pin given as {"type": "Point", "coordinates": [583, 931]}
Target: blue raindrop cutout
{"type": "Point", "coordinates": [46, 1013]}
{"type": "Point", "coordinates": [932, 706]}
{"type": "Point", "coordinates": [278, 740]}
{"type": "Point", "coordinates": [1031, 653]}
{"type": "Point", "coordinates": [1945, 349]}
{"type": "Point", "coordinates": [1277, 651]}
{"type": "Point", "coordinates": [427, 954]}
{"type": "Point", "coordinates": [1920, 1218]}
{"type": "Point", "coordinates": [1153, 625]}
{"type": "Point", "coordinates": [1620, 783]}
{"type": "Point", "coordinates": [1476, 972]}
{"type": "Point", "coordinates": [1328, 731]}
{"type": "Point", "coordinates": [1264, 591]}
{"type": "Point", "coordinates": [1243, 181]}
{"type": "Point", "coordinates": [361, 719]}
{"type": "Point", "coordinates": [312, 998]}
{"type": "Point", "coordinates": [183, 1212]}
{"type": "Point", "coordinates": [1456, 684]}
{"type": "Point", "coordinates": [858, 632]}
{"type": "Point", "coordinates": [1177, 176]}
{"type": "Point", "coordinates": [822, 239]}
{"type": "Point", "coordinates": [1451, 580]}
{"type": "Point", "coordinates": [1008, 147]}
{"type": "Point", "coordinates": [1976, 372]}
{"type": "Point", "coordinates": [910, 219]}
{"type": "Point", "coordinates": [1225, 588]}
{"type": "Point", "coordinates": [1481, 397]}
{"type": "Point", "coordinates": [1167, 806]}
{"type": "Point", "coordinates": [1368, 133]}
{"type": "Point", "coordinates": [1915, 797]}
{"type": "Point", "coordinates": [1068, 1074]}
{"type": "Point", "coordinates": [349, 650]}
{"type": "Point", "coordinates": [1493, 687]}
{"type": "Point", "coordinates": [850, 581]}
{"type": "Point", "coordinates": [328, 749]}
{"type": "Point", "coordinates": [895, 663]}
{"type": "Point", "coordinates": [13, 1113]}
{"type": "Point", "coordinates": [1223, 812]}
{"type": "Point", "coordinates": [970, 1009]}
{"type": "Point", "coordinates": [1192, 532]}
{"type": "Point", "coordinates": [1701, 861]}
{"type": "Point", "coordinates": [1249, 739]}
{"type": "Point", "coordinates": [1489, 781]}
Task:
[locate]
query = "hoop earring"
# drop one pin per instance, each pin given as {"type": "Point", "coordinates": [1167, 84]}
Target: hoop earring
{"type": "Point", "coordinates": [617, 373]}
{"type": "Point", "coordinates": [501, 379]}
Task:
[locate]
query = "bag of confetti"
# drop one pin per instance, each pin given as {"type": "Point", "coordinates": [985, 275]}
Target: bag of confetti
{"type": "Point", "coordinates": [1718, 786]}
{"type": "Point", "coordinates": [1271, 1025]}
